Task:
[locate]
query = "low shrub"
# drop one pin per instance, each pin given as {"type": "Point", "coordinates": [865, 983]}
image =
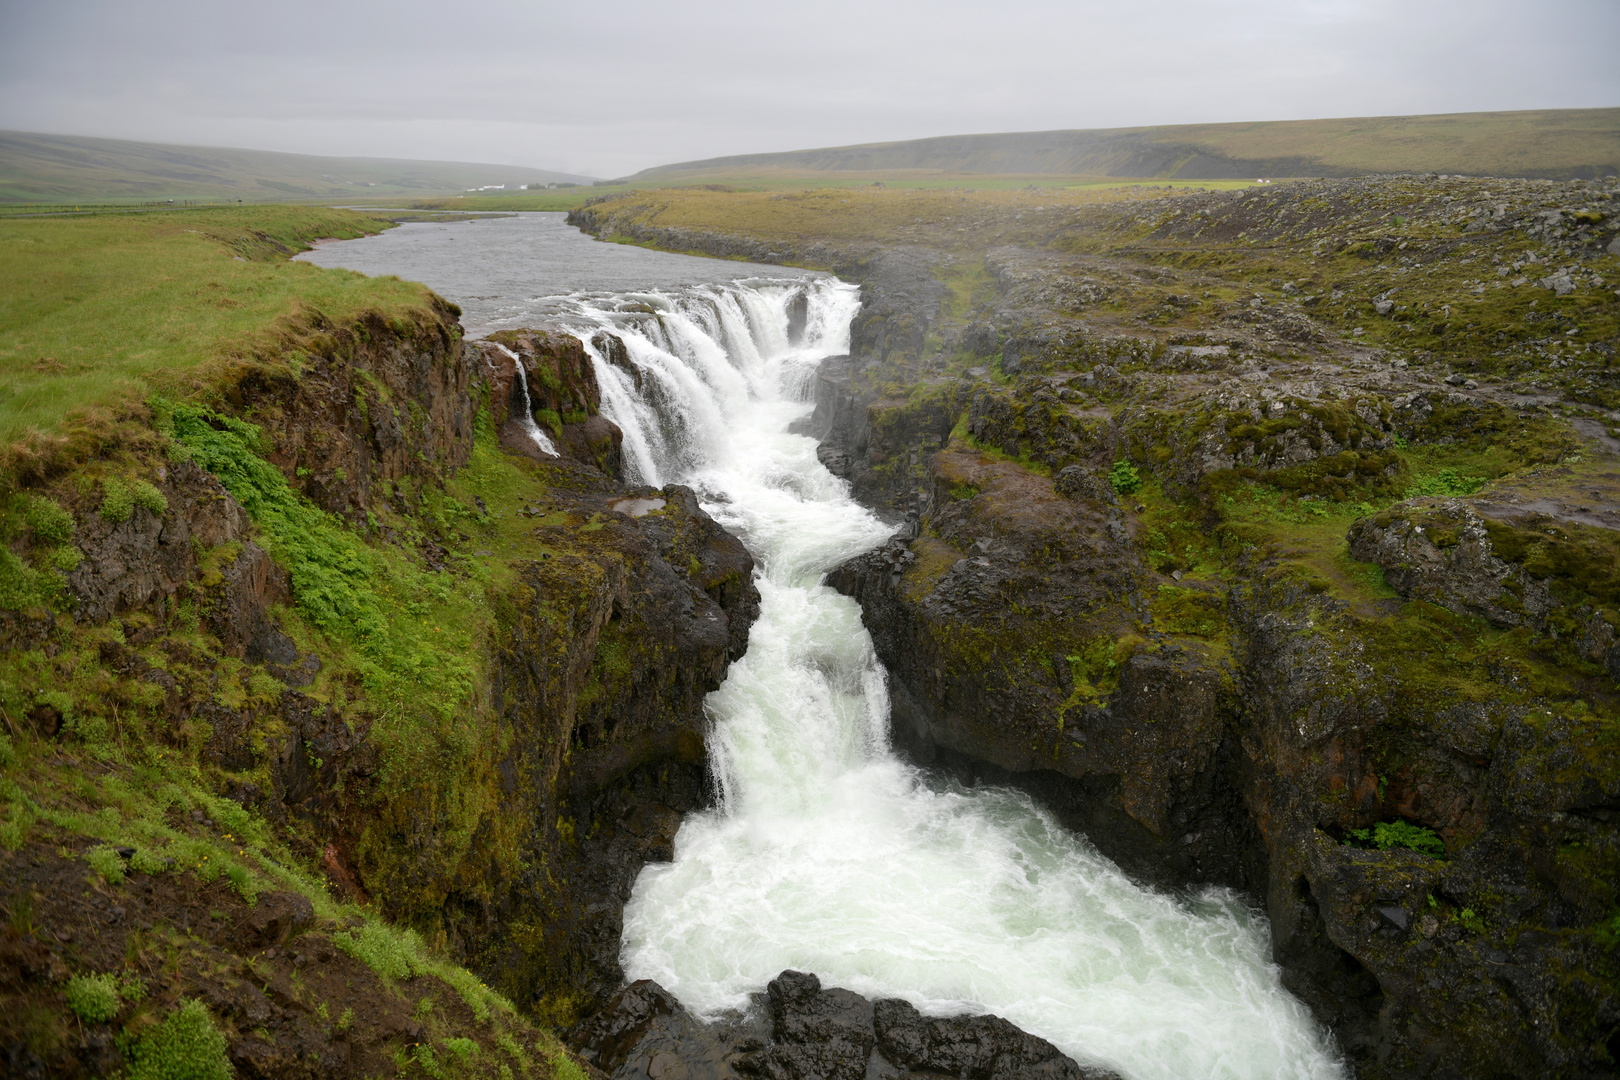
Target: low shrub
{"type": "Point", "coordinates": [106, 861]}
{"type": "Point", "coordinates": [391, 953]}
{"type": "Point", "coordinates": [186, 1046]}
{"type": "Point", "coordinates": [1124, 477]}
{"type": "Point", "coordinates": [1400, 834]}
{"type": "Point", "coordinates": [93, 998]}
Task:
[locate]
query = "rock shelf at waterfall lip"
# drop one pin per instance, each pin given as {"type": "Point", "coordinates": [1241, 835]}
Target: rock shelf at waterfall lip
{"type": "Point", "coordinates": [638, 507]}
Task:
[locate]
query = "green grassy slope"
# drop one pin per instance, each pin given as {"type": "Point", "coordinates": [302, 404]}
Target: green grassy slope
{"type": "Point", "coordinates": [1549, 143]}
{"type": "Point", "coordinates": [94, 309]}
{"type": "Point", "coordinates": [64, 168]}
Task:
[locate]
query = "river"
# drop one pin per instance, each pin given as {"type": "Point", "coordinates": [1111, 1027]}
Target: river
{"type": "Point", "coordinates": [825, 852]}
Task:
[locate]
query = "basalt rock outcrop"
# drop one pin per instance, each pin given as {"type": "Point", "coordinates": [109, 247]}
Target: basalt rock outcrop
{"type": "Point", "coordinates": [799, 1029]}
{"type": "Point", "coordinates": [1256, 749]}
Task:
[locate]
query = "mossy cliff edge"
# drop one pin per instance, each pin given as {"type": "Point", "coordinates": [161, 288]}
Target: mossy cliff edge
{"type": "Point", "coordinates": [323, 689]}
{"type": "Point", "coordinates": [1269, 537]}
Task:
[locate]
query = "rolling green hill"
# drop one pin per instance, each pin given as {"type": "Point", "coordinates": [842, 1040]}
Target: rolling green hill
{"type": "Point", "coordinates": [1549, 143]}
{"type": "Point", "coordinates": [67, 168]}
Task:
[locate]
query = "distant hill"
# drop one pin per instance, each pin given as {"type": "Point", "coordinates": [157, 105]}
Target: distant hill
{"type": "Point", "coordinates": [1547, 143]}
{"type": "Point", "coordinates": [68, 168]}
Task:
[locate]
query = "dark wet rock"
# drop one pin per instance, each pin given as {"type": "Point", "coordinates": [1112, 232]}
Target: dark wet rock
{"type": "Point", "coordinates": [970, 1047]}
{"type": "Point", "coordinates": [276, 917]}
{"type": "Point", "coordinates": [1440, 550]}
{"type": "Point", "coordinates": [800, 1030]}
{"type": "Point", "coordinates": [980, 339]}
{"type": "Point", "coordinates": [610, 1036]}
{"type": "Point", "coordinates": [818, 1033]}
{"type": "Point", "coordinates": [1083, 482]}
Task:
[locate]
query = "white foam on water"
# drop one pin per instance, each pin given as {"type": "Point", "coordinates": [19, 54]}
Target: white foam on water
{"type": "Point", "coordinates": [826, 853]}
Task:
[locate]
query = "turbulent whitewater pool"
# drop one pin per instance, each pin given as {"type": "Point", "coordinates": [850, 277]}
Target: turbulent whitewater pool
{"type": "Point", "coordinates": [825, 852]}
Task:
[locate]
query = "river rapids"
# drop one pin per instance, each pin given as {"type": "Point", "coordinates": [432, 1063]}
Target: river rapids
{"type": "Point", "coordinates": [824, 852]}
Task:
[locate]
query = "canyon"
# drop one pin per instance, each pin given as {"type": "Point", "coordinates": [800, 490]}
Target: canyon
{"type": "Point", "coordinates": [1254, 544]}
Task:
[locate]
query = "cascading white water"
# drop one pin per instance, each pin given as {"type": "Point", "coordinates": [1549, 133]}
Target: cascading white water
{"type": "Point", "coordinates": [530, 427]}
{"type": "Point", "coordinates": [827, 854]}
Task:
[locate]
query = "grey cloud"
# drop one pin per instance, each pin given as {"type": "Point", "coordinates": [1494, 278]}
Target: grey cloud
{"type": "Point", "coordinates": [611, 89]}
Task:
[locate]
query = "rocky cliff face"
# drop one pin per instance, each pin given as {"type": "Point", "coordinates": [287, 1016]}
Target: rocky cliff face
{"type": "Point", "coordinates": [563, 397]}
{"type": "Point", "coordinates": [504, 808]}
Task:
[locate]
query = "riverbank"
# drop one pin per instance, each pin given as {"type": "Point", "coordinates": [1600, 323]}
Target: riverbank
{"type": "Point", "coordinates": [322, 685]}
{"type": "Point", "coordinates": [1244, 534]}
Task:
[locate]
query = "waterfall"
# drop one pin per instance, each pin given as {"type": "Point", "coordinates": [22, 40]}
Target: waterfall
{"type": "Point", "coordinates": [532, 429]}
{"type": "Point", "coordinates": [825, 852]}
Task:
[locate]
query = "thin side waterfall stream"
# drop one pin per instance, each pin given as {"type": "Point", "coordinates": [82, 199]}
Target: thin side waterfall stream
{"type": "Point", "coordinates": [825, 852]}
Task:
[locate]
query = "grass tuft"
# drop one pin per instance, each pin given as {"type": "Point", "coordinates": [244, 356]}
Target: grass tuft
{"type": "Point", "coordinates": [186, 1046]}
{"type": "Point", "coordinates": [93, 998]}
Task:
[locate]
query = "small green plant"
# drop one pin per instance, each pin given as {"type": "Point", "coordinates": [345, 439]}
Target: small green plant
{"type": "Point", "coordinates": [1448, 483]}
{"type": "Point", "coordinates": [243, 881]}
{"type": "Point", "coordinates": [1470, 919]}
{"type": "Point", "coordinates": [120, 497]}
{"type": "Point", "coordinates": [147, 861]}
{"type": "Point", "coordinates": [566, 1067]}
{"type": "Point", "coordinates": [22, 915]}
{"type": "Point", "coordinates": [105, 860]}
{"type": "Point", "coordinates": [390, 953]}
{"type": "Point", "coordinates": [1125, 478]}
{"type": "Point", "coordinates": [117, 500]}
{"type": "Point", "coordinates": [14, 830]}
{"type": "Point", "coordinates": [186, 1046]}
{"type": "Point", "coordinates": [462, 1049]}
{"type": "Point", "coordinates": [132, 988]}
{"type": "Point", "coordinates": [429, 1061]}
{"type": "Point", "coordinates": [93, 998]}
{"type": "Point", "coordinates": [51, 524]}
{"type": "Point", "coordinates": [510, 1045]}
{"type": "Point", "coordinates": [424, 1008]}
{"type": "Point", "coordinates": [1399, 834]}
{"type": "Point", "coordinates": [345, 1021]}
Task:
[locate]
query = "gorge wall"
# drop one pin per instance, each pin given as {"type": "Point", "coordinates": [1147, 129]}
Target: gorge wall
{"type": "Point", "coordinates": [454, 674]}
{"type": "Point", "coordinates": [1223, 584]}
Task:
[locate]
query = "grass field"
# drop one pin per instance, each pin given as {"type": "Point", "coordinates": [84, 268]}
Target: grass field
{"type": "Point", "coordinates": [64, 168]}
{"type": "Point", "coordinates": [1548, 143]}
{"type": "Point", "coordinates": [951, 218]}
{"type": "Point", "coordinates": [94, 311]}
{"type": "Point", "coordinates": [801, 183]}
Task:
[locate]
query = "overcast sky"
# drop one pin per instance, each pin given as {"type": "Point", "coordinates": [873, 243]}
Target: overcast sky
{"type": "Point", "coordinates": [605, 89]}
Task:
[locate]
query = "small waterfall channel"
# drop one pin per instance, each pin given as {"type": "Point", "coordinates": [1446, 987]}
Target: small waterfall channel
{"type": "Point", "coordinates": [527, 421]}
{"type": "Point", "coordinates": [825, 852]}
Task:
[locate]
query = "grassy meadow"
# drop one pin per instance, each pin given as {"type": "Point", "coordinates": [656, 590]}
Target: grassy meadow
{"type": "Point", "coordinates": [798, 183]}
{"type": "Point", "coordinates": [1549, 143]}
{"type": "Point", "coordinates": [97, 311]}
{"type": "Point", "coordinates": [37, 168]}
